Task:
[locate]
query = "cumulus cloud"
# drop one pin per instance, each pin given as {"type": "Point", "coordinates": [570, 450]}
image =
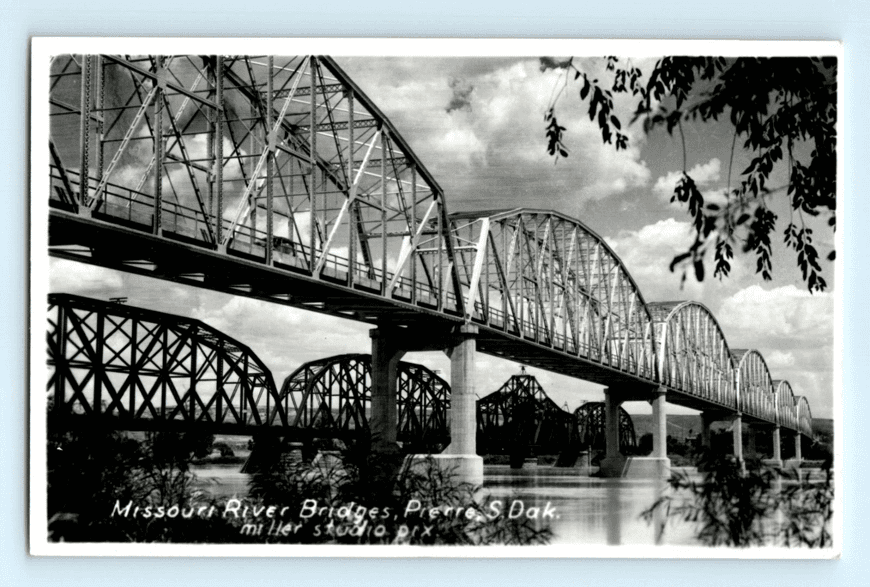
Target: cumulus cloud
{"type": "Point", "coordinates": [488, 144]}
{"type": "Point", "coordinates": [647, 253]}
{"type": "Point", "coordinates": [779, 359]}
{"type": "Point", "coordinates": [704, 174]}
{"type": "Point", "coordinates": [794, 331]}
{"type": "Point", "coordinates": [783, 312]}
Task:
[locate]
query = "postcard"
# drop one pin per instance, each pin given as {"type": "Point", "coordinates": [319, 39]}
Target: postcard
{"type": "Point", "coordinates": [435, 298]}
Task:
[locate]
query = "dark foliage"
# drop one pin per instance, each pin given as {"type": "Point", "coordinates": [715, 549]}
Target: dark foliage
{"type": "Point", "coordinates": [94, 474]}
{"type": "Point", "coordinates": [783, 110]}
{"type": "Point", "coordinates": [762, 506]}
{"type": "Point", "coordinates": [365, 481]}
{"type": "Point", "coordinates": [89, 471]}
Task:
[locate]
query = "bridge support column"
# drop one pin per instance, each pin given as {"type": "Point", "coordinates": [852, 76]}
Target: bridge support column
{"type": "Point", "coordinates": [660, 418]}
{"type": "Point", "coordinates": [385, 362]}
{"type": "Point", "coordinates": [657, 465]}
{"type": "Point", "coordinates": [461, 455]}
{"type": "Point", "coordinates": [737, 436]}
{"type": "Point", "coordinates": [795, 462]}
{"type": "Point", "coordinates": [613, 463]}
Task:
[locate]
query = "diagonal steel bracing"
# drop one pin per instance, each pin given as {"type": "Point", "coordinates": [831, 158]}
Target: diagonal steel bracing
{"type": "Point", "coordinates": [285, 182]}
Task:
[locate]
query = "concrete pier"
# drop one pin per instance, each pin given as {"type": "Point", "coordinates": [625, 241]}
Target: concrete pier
{"type": "Point", "coordinates": [384, 417]}
{"type": "Point", "coordinates": [795, 462]}
{"type": "Point", "coordinates": [777, 447]}
{"type": "Point", "coordinates": [613, 463]}
{"type": "Point", "coordinates": [737, 436]}
{"type": "Point", "coordinates": [655, 466]}
{"type": "Point", "coordinates": [461, 455]}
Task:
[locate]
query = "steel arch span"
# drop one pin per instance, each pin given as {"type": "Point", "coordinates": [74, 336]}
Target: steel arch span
{"type": "Point", "coordinates": [282, 161]}
{"type": "Point", "coordinates": [805, 416]}
{"type": "Point", "coordinates": [331, 397]}
{"type": "Point", "coordinates": [547, 279]}
{"type": "Point", "coordinates": [518, 417]}
{"type": "Point", "coordinates": [786, 405]}
{"type": "Point", "coordinates": [590, 421]}
{"type": "Point", "coordinates": [693, 355]}
{"type": "Point", "coordinates": [755, 390]}
{"type": "Point", "coordinates": [137, 369]}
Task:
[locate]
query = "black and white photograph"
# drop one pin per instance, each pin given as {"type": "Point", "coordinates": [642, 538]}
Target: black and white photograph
{"type": "Point", "coordinates": [416, 298]}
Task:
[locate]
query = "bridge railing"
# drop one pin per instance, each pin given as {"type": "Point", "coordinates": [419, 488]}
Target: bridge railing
{"type": "Point", "coordinates": [136, 209]}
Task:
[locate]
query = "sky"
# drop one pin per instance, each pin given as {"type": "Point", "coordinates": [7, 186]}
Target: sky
{"type": "Point", "coordinates": [478, 125]}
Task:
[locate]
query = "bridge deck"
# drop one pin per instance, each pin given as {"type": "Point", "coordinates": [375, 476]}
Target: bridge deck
{"type": "Point", "coordinates": [94, 241]}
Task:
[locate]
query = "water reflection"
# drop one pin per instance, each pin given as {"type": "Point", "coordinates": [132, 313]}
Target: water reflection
{"type": "Point", "coordinates": [613, 515]}
{"type": "Point", "coordinates": [586, 510]}
{"type": "Point", "coordinates": [590, 510]}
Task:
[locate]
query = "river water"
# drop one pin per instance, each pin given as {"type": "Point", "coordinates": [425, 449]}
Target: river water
{"type": "Point", "coordinates": [586, 510]}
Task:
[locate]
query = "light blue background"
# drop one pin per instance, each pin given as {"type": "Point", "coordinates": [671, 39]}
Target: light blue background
{"type": "Point", "coordinates": [848, 21]}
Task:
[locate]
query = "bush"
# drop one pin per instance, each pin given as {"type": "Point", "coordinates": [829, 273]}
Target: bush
{"type": "Point", "coordinates": [735, 508]}
{"type": "Point", "coordinates": [367, 497]}
{"type": "Point", "coordinates": [92, 471]}
{"type": "Point", "coordinates": [101, 483]}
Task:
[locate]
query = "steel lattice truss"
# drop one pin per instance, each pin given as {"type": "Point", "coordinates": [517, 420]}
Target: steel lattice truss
{"type": "Point", "coordinates": [521, 415]}
{"type": "Point", "coordinates": [591, 426]}
{"type": "Point", "coordinates": [755, 392]}
{"type": "Point", "coordinates": [139, 369]}
{"type": "Point", "coordinates": [332, 397]}
{"type": "Point", "coordinates": [786, 404]}
{"type": "Point", "coordinates": [548, 279]}
{"type": "Point", "coordinates": [281, 160]}
{"type": "Point", "coordinates": [278, 178]}
{"type": "Point", "coordinates": [694, 357]}
{"type": "Point", "coordinates": [805, 416]}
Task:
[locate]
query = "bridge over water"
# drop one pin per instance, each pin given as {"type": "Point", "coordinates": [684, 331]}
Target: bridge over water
{"type": "Point", "coordinates": [277, 178]}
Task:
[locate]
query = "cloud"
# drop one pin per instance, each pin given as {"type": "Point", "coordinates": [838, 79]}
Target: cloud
{"type": "Point", "coordinates": [647, 252]}
{"type": "Point", "coordinates": [779, 359]}
{"type": "Point", "coordinates": [489, 144]}
{"type": "Point", "coordinates": [461, 99]}
{"type": "Point", "coordinates": [83, 279]}
{"type": "Point", "coordinates": [786, 313]}
{"type": "Point", "coordinates": [703, 174]}
{"type": "Point", "coordinates": [793, 330]}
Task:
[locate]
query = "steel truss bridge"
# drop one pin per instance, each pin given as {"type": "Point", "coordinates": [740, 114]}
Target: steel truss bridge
{"type": "Point", "coordinates": [331, 397]}
{"type": "Point", "coordinates": [519, 417]}
{"type": "Point", "coordinates": [590, 421]}
{"type": "Point", "coordinates": [277, 178]}
{"type": "Point", "coordinates": [137, 369]}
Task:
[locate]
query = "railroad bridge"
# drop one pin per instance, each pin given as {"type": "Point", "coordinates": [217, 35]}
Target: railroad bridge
{"type": "Point", "coordinates": [277, 178]}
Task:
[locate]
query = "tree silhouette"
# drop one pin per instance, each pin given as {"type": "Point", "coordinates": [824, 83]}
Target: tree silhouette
{"type": "Point", "coordinates": [783, 111]}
